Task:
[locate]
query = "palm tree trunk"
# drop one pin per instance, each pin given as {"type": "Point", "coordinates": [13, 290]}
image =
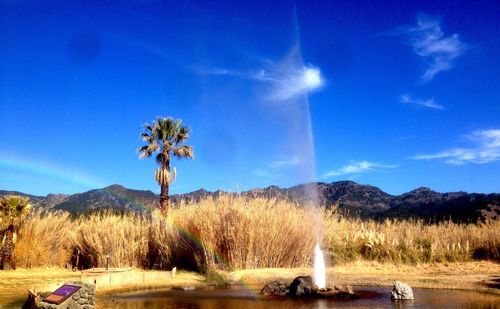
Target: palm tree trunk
{"type": "Point", "coordinates": [164, 199]}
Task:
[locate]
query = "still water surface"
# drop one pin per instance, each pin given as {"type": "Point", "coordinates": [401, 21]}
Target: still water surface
{"type": "Point", "coordinates": [247, 297]}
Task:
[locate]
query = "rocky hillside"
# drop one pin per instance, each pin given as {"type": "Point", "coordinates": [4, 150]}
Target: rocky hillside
{"type": "Point", "coordinates": [351, 198]}
{"type": "Point", "coordinates": [46, 202]}
{"type": "Point", "coordinates": [348, 195]}
{"type": "Point", "coordinates": [114, 197]}
{"type": "Point", "coordinates": [371, 202]}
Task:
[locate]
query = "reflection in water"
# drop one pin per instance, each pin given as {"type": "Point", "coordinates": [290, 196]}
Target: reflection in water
{"type": "Point", "coordinates": [240, 297]}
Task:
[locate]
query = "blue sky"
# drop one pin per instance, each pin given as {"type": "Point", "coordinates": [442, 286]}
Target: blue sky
{"type": "Point", "coordinates": [392, 94]}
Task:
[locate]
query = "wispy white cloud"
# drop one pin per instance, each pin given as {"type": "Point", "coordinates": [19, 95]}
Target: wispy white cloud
{"type": "Point", "coordinates": [485, 150]}
{"type": "Point", "coordinates": [430, 103]}
{"type": "Point", "coordinates": [286, 79]}
{"type": "Point", "coordinates": [291, 82]}
{"type": "Point", "coordinates": [428, 41]}
{"type": "Point", "coordinates": [262, 173]}
{"type": "Point", "coordinates": [202, 70]}
{"type": "Point", "coordinates": [356, 168]}
{"type": "Point", "coordinates": [294, 161]}
{"type": "Point", "coordinates": [270, 170]}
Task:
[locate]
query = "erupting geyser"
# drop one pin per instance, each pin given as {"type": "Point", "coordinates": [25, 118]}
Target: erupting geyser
{"type": "Point", "coordinates": [319, 275]}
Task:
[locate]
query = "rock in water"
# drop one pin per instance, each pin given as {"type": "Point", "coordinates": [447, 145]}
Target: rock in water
{"type": "Point", "coordinates": [274, 288]}
{"type": "Point", "coordinates": [303, 286]}
{"type": "Point", "coordinates": [347, 289]}
{"type": "Point", "coordinates": [401, 291]}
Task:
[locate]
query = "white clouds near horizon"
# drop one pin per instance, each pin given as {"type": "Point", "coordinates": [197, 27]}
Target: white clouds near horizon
{"type": "Point", "coordinates": [430, 103]}
{"type": "Point", "coordinates": [356, 167]}
{"type": "Point", "coordinates": [486, 150]}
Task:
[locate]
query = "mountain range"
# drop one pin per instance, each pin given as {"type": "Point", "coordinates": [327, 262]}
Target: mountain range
{"type": "Point", "coordinates": [352, 199]}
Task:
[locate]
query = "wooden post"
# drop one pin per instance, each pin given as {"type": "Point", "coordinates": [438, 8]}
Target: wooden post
{"type": "Point", "coordinates": [77, 259]}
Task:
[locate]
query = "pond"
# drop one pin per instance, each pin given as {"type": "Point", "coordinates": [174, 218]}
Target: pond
{"type": "Point", "coordinates": [248, 297]}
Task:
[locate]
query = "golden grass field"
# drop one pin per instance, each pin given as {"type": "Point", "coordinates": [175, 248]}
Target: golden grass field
{"type": "Point", "coordinates": [230, 233]}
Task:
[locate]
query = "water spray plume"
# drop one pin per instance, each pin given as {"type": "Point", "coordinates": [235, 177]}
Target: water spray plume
{"type": "Point", "coordinates": [309, 80]}
{"type": "Point", "coordinates": [319, 274]}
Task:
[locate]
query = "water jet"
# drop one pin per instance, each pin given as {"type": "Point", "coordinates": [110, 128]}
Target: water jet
{"type": "Point", "coordinates": [319, 274]}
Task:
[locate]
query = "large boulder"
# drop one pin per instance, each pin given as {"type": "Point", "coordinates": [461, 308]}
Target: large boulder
{"type": "Point", "coordinates": [401, 291]}
{"type": "Point", "coordinates": [275, 288]}
{"type": "Point", "coordinates": [303, 286]}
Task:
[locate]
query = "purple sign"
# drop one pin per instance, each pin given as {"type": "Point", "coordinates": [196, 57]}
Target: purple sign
{"type": "Point", "coordinates": [62, 293]}
{"type": "Point", "coordinates": [66, 290]}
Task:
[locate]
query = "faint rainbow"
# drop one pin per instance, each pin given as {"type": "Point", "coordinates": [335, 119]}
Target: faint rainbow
{"type": "Point", "coordinates": [198, 245]}
{"type": "Point", "coordinates": [130, 200]}
{"type": "Point", "coordinates": [48, 170]}
{"type": "Point", "coordinates": [251, 293]}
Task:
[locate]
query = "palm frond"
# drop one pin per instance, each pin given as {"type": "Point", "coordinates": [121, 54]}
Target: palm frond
{"type": "Point", "coordinates": [175, 128]}
{"type": "Point", "coordinates": [164, 127]}
{"type": "Point", "coordinates": [145, 154]}
{"type": "Point", "coordinates": [13, 206]}
{"type": "Point", "coordinates": [146, 137]}
{"type": "Point", "coordinates": [147, 150]}
{"type": "Point", "coordinates": [182, 134]}
{"type": "Point", "coordinates": [184, 151]}
{"type": "Point", "coordinates": [158, 131]}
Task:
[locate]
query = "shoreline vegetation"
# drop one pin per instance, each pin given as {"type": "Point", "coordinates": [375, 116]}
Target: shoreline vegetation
{"type": "Point", "coordinates": [253, 240]}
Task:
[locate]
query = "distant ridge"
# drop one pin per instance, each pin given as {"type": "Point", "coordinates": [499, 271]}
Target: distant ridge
{"type": "Point", "coordinates": [351, 198]}
{"type": "Point", "coordinates": [114, 197]}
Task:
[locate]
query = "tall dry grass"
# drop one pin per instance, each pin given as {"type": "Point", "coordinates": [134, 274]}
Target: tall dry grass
{"type": "Point", "coordinates": [122, 237]}
{"type": "Point", "coordinates": [239, 233]}
{"type": "Point", "coordinates": [412, 241]}
{"type": "Point", "coordinates": [44, 240]}
{"type": "Point", "coordinates": [236, 232]}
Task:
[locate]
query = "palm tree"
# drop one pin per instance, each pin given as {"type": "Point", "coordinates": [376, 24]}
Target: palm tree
{"type": "Point", "coordinates": [165, 136]}
{"type": "Point", "coordinates": [13, 207]}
